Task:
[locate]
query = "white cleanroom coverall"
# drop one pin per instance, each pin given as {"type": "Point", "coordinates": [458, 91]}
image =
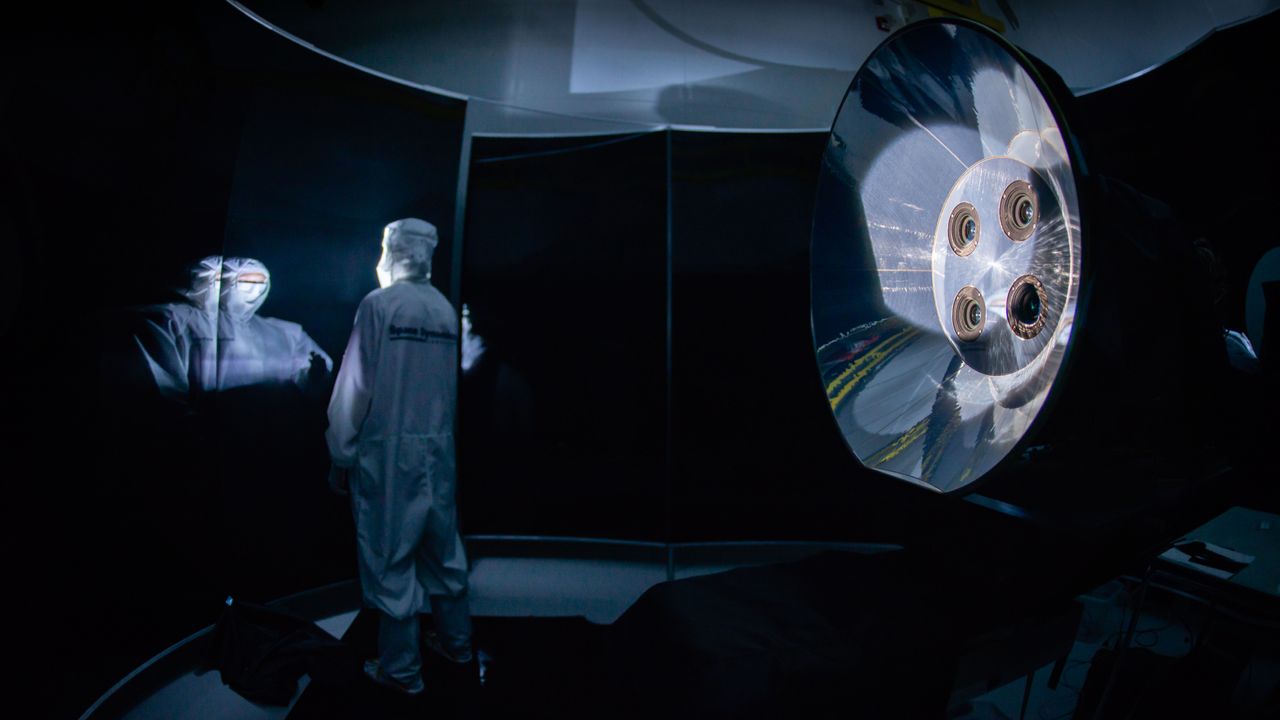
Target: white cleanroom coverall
{"type": "Point", "coordinates": [216, 341]}
{"type": "Point", "coordinates": [391, 420]}
{"type": "Point", "coordinates": [254, 350]}
{"type": "Point", "coordinates": [178, 341]}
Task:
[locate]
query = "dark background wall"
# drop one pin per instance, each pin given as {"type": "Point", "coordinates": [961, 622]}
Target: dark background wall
{"type": "Point", "coordinates": [562, 421]}
{"type": "Point", "coordinates": [1194, 135]}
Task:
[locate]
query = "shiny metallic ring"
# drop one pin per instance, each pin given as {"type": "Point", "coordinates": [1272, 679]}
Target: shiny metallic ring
{"type": "Point", "coordinates": [1019, 210]}
{"type": "Point", "coordinates": [968, 314]}
{"type": "Point", "coordinates": [963, 229]}
{"type": "Point", "coordinates": [1025, 307]}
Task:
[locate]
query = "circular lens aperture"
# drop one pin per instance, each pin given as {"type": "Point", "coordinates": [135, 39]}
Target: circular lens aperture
{"type": "Point", "coordinates": [1019, 211]}
{"type": "Point", "coordinates": [1024, 307]}
{"type": "Point", "coordinates": [962, 229]}
{"type": "Point", "coordinates": [968, 314]}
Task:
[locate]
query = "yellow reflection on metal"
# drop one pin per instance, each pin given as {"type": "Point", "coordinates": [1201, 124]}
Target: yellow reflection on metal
{"type": "Point", "coordinates": [864, 364]}
{"type": "Point", "coordinates": [904, 441]}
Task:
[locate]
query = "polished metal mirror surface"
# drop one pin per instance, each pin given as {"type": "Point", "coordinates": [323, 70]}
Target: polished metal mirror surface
{"type": "Point", "coordinates": [946, 255]}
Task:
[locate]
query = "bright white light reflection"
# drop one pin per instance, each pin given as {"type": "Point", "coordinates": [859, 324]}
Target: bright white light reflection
{"type": "Point", "coordinates": [472, 345]}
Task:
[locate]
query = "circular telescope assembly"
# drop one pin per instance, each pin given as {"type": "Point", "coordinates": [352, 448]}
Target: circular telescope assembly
{"type": "Point", "coordinates": [946, 254]}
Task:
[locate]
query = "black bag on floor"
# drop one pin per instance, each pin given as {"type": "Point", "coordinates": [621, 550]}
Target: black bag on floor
{"type": "Point", "coordinates": [262, 652]}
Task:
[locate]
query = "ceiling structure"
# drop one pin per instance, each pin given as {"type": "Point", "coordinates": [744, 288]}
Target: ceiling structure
{"type": "Point", "coordinates": [568, 66]}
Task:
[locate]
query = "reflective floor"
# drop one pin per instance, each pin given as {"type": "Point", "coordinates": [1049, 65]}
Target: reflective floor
{"type": "Point", "coordinates": [600, 590]}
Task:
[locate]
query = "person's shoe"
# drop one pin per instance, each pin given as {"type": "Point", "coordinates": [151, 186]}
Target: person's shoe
{"type": "Point", "coordinates": [465, 674]}
{"type": "Point", "coordinates": [432, 640]}
{"type": "Point", "coordinates": [374, 671]}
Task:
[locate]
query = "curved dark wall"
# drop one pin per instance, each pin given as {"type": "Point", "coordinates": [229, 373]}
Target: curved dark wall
{"type": "Point", "coordinates": [136, 141]}
{"type": "Point", "coordinates": [562, 420]}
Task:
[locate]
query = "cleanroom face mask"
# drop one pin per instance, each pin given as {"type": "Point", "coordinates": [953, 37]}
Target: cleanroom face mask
{"type": "Point", "coordinates": [247, 295]}
{"type": "Point", "coordinates": [251, 286]}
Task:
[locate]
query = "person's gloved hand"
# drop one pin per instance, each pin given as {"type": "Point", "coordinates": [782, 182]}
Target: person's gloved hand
{"type": "Point", "coordinates": [339, 482]}
{"type": "Point", "coordinates": [318, 368]}
{"type": "Point", "coordinates": [313, 379]}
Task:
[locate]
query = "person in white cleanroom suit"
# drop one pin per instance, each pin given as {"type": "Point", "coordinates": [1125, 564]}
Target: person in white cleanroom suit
{"type": "Point", "coordinates": [178, 341]}
{"type": "Point", "coordinates": [215, 340]}
{"type": "Point", "coordinates": [254, 350]}
{"type": "Point", "coordinates": [390, 436]}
